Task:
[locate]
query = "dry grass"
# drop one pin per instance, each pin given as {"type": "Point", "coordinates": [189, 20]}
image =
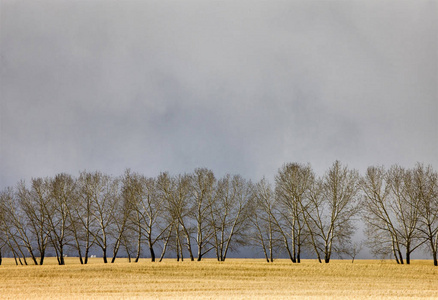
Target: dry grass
{"type": "Point", "coordinates": [209, 279]}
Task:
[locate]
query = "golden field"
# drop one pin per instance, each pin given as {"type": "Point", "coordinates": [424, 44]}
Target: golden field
{"type": "Point", "coordinates": [210, 279]}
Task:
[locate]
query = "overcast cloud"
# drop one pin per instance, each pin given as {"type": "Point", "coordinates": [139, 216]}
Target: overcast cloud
{"type": "Point", "coordinates": [235, 86]}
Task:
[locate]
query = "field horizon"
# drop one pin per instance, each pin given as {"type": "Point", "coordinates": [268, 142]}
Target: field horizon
{"type": "Point", "coordinates": [210, 279]}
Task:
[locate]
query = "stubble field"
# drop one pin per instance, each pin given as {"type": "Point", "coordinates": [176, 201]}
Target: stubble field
{"type": "Point", "coordinates": [209, 279]}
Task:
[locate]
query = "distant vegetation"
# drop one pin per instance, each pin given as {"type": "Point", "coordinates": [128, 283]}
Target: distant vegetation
{"type": "Point", "coordinates": [189, 216]}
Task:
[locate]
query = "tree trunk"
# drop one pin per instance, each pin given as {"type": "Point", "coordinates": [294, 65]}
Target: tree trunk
{"type": "Point", "coordinates": [199, 240]}
{"type": "Point", "coordinates": [189, 245]}
{"type": "Point", "coordinates": [433, 249]}
{"type": "Point", "coordinates": [166, 241]}
{"type": "Point", "coordinates": [78, 245]}
{"type": "Point", "coordinates": [80, 256]}
{"type": "Point", "coordinates": [24, 260]}
{"type": "Point", "coordinates": [395, 252]}
{"type": "Point", "coordinates": [15, 257]}
{"type": "Point", "coordinates": [137, 257]}
{"type": "Point", "coordinates": [264, 249]}
{"type": "Point", "coordinates": [60, 254]}
{"type": "Point", "coordinates": [400, 257]}
{"type": "Point", "coordinates": [105, 260]}
{"type": "Point", "coordinates": [86, 256]}
{"type": "Point", "coordinates": [326, 254]}
{"type": "Point", "coordinates": [151, 249]}
{"type": "Point", "coordinates": [286, 245]}
{"type": "Point", "coordinates": [199, 250]}
{"type": "Point", "coordinates": [299, 251]}
{"type": "Point", "coordinates": [43, 254]}
{"type": "Point", "coordinates": [294, 244]}
{"type": "Point", "coordinates": [217, 248]}
{"type": "Point", "coordinates": [271, 254]}
{"type": "Point", "coordinates": [33, 258]}
{"type": "Point", "coordinates": [117, 245]}
{"type": "Point", "coordinates": [87, 245]}
{"type": "Point", "coordinates": [181, 250]}
{"type": "Point", "coordinates": [299, 241]}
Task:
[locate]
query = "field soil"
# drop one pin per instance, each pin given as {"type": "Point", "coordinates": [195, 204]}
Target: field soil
{"type": "Point", "coordinates": [210, 279]}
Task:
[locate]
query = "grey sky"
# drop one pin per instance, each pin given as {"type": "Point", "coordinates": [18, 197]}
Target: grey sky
{"type": "Point", "coordinates": [235, 86]}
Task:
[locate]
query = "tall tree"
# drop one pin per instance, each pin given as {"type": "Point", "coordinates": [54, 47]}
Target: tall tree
{"type": "Point", "coordinates": [15, 227]}
{"type": "Point", "coordinates": [132, 192]}
{"type": "Point", "coordinates": [293, 182]}
{"type": "Point", "coordinates": [57, 209]}
{"type": "Point", "coordinates": [33, 204]}
{"type": "Point", "coordinates": [266, 229]}
{"type": "Point", "coordinates": [104, 195]}
{"type": "Point", "coordinates": [165, 186]}
{"type": "Point", "coordinates": [426, 189]}
{"type": "Point", "coordinates": [181, 209]}
{"type": "Point", "coordinates": [378, 213]}
{"type": "Point", "coordinates": [82, 214]}
{"type": "Point", "coordinates": [203, 195]}
{"type": "Point", "coordinates": [6, 238]}
{"type": "Point", "coordinates": [393, 211]}
{"type": "Point", "coordinates": [148, 210]}
{"type": "Point", "coordinates": [406, 208]}
{"type": "Point", "coordinates": [333, 205]}
{"type": "Point", "coordinates": [229, 214]}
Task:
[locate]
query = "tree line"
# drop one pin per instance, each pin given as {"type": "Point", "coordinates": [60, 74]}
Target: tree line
{"type": "Point", "coordinates": [196, 214]}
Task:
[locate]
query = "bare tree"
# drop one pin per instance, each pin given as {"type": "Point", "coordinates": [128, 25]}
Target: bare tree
{"type": "Point", "coordinates": [104, 196]}
{"type": "Point", "coordinates": [6, 227]}
{"type": "Point", "coordinates": [203, 195]}
{"type": "Point", "coordinates": [378, 214]}
{"type": "Point", "coordinates": [132, 192]}
{"type": "Point", "coordinates": [82, 214]}
{"type": "Point", "coordinates": [57, 210]}
{"type": "Point", "coordinates": [181, 209]}
{"type": "Point", "coordinates": [229, 214]}
{"type": "Point", "coordinates": [165, 185]}
{"type": "Point", "coordinates": [119, 233]}
{"type": "Point", "coordinates": [425, 182]}
{"type": "Point", "coordinates": [352, 250]}
{"type": "Point", "coordinates": [266, 230]}
{"type": "Point", "coordinates": [333, 205]}
{"type": "Point", "coordinates": [151, 208]}
{"type": "Point", "coordinates": [78, 214]}
{"type": "Point", "coordinates": [178, 213]}
{"type": "Point", "coordinates": [293, 182]}
{"type": "Point", "coordinates": [147, 210]}
{"type": "Point", "coordinates": [15, 226]}
{"type": "Point", "coordinates": [405, 206]}
{"type": "Point", "coordinates": [4, 241]}
{"type": "Point", "coordinates": [33, 204]}
{"type": "Point", "coordinates": [392, 205]}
